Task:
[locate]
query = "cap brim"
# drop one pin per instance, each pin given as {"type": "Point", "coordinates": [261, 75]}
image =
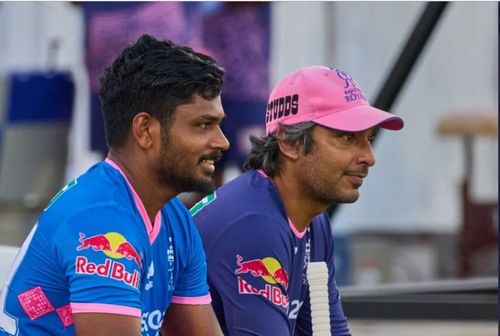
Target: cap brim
{"type": "Point", "coordinates": [360, 118]}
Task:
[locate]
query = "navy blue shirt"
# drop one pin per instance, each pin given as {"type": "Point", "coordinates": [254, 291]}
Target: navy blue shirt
{"type": "Point", "coordinates": [257, 260]}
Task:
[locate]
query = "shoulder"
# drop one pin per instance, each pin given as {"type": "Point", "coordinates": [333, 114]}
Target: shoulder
{"type": "Point", "coordinates": [263, 227]}
{"type": "Point", "coordinates": [99, 188]}
{"type": "Point", "coordinates": [108, 229]}
{"type": "Point", "coordinates": [245, 198]}
{"type": "Point", "coordinates": [104, 213]}
{"type": "Point", "coordinates": [246, 191]}
{"type": "Point", "coordinates": [251, 230]}
{"type": "Point", "coordinates": [96, 226]}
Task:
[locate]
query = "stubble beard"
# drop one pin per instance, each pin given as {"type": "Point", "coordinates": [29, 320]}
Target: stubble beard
{"type": "Point", "coordinates": [326, 192]}
{"type": "Point", "coordinates": [179, 178]}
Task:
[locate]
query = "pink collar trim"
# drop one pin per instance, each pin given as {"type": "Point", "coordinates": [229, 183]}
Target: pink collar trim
{"type": "Point", "coordinates": [152, 229]}
{"type": "Point", "coordinates": [296, 232]}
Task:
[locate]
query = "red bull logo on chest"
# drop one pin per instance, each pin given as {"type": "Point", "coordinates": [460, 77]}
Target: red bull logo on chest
{"type": "Point", "coordinates": [115, 246]}
{"type": "Point", "coordinates": [268, 269]}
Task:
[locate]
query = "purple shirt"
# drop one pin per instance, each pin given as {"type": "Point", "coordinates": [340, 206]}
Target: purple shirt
{"type": "Point", "coordinates": [257, 260]}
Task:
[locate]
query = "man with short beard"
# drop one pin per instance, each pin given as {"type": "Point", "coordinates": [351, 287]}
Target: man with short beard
{"type": "Point", "coordinates": [261, 230]}
{"type": "Point", "coordinates": [115, 249]}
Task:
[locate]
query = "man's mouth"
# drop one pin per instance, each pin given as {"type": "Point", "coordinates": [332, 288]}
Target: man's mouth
{"type": "Point", "coordinates": [356, 178]}
{"type": "Point", "coordinates": [212, 158]}
{"type": "Point", "coordinates": [208, 161]}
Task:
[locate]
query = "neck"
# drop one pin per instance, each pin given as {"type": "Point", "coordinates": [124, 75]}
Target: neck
{"type": "Point", "coordinates": [300, 208]}
{"type": "Point", "coordinates": [142, 178]}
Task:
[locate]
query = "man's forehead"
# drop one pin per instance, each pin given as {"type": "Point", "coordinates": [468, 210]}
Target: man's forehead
{"type": "Point", "coordinates": [370, 130]}
{"type": "Point", "coordinates": [201, 107]}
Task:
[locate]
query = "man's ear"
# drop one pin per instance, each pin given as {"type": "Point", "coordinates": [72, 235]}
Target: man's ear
{"type": "Point", "coordinates": [144, 129]}
{"type": "Point", "coordinates": [288, 149]}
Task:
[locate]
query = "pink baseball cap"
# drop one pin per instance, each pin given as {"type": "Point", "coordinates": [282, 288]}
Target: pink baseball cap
{"type": "Point", "coordinates": [325, 96]}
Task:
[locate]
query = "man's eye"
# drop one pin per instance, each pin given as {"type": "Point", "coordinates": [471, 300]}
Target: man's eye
{"type": "Point", "coordinates": [348, 136]}
{"type": "Point", "coordinates": [372, 136]}
{"type": "Point", "coordinates": [204, 125]}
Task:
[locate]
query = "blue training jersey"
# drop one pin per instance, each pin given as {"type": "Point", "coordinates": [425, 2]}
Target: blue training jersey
{"type": "Point", "coordinates": [257, 260]}
{"type": "Point", "coordinates": [95, 250]}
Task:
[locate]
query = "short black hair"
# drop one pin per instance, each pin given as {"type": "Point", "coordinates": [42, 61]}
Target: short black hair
{"type": "Point", "coordinates": [154, 76]}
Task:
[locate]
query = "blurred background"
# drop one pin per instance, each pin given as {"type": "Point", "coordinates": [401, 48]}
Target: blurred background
{"type": "Point", "coordinates": [425, 228]}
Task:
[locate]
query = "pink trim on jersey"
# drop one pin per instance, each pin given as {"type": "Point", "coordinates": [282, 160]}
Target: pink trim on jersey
{"type": "Point", "coordinates": [205, 299]}
{"type": "Point", "coordinates": [152, 230]}
{"type": "Point", "coordinates": [296, 232]}
{"type": "Point", "coordinates": [104, 308]}
{"type": "Point", "coordinates": [261, 172]}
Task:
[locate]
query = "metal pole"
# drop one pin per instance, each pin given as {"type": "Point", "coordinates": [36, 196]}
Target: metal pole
{"type": "Point", "coordinates": [409, 55]}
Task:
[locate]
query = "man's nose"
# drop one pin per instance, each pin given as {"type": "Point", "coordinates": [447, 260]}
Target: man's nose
{"type": "Point", "coordinates": [219, 140]}
{"type": "Point", "coordinates": [367, 156]}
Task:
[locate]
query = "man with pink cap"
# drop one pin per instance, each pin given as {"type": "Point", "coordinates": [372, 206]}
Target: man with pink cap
{"type": "Point", "coordinates": [261, 230]}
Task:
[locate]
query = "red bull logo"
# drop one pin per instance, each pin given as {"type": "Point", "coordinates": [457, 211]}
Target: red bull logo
{"type": "Point", "coordinates": [109, 269]}
{"type": "Point", "coordinates": [281, 277]}
{"type": "Point", "coordinates": [268, 269]}
{"type": "Point", "coordinates": [115, 246]}
{"type": "Point", "coordinates": [97, 243]}
{"type": "Point", "coordinates": [272, 293]}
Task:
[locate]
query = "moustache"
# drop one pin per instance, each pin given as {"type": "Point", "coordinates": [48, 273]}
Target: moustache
{"type": "Point", "coordinates": [215, 156]}
{"type": "Point", "coordinates": [363, 171]}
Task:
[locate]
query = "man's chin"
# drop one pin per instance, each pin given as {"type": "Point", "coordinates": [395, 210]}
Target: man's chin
{"type": "Point", "coordinates": [350, 197]}
{"type": "Point", "coordinates": [204, 186]}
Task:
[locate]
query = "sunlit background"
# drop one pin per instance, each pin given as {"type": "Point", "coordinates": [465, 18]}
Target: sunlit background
{"type": "Point", "coordinates": [428, 211]}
